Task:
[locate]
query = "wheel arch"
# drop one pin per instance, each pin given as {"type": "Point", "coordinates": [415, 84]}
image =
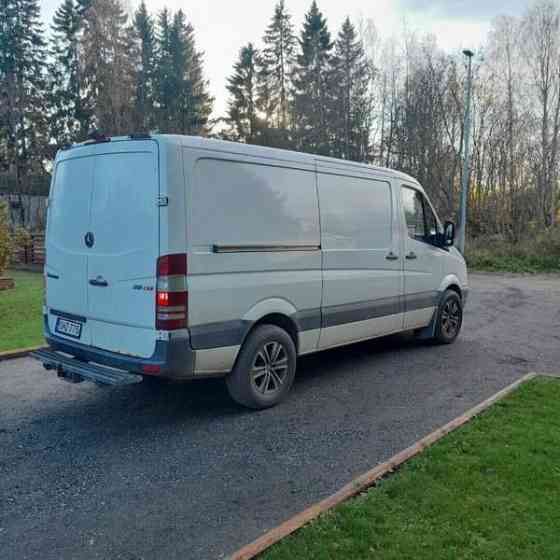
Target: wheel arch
{"type": "Point", "coordinates": [275, 311]}
{"type": "Point", "coordinates": [455, 288]}
{"type": "Point", "coordinates": [451, 282]}
{"type": "Point", "coordinates": [283, 321]}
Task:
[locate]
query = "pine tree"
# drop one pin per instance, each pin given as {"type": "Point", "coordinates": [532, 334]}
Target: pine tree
{"type": "Point", "coordinates": [242, 86]}
{"type": "Point", "coordinates": [278, 58]}
{"type": "Point", "coordinates": [145, 74]}
{"type": "Point", "coordinates": [311, 83]}
{"type": "Point", "coordinates": [109, 57]}
{"type": "Point", "coordinates": [181, 55]}
{"type": "Point", "coordinates": [84, 6]}
{"type": "Point", "coordinates": [68, 118]}
{"type": "Point", "coordinates": [7, 85]}
{"type": "Point", "coordinates": [201, 102]}
{"type": "Point", "coordinates": [22, 89]}
{"type": "Point", "coordinates": [184, 104]}
{"type": "Point", "coordinates": [351, 101]}
{"type": "Point", "coordinates": [163, 79]}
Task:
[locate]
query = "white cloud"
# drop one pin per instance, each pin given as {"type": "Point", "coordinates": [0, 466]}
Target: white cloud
{"type": "Point", "coordinates": [472, 10]}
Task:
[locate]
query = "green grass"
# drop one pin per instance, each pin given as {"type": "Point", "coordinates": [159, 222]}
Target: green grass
{"type": "Point", "coordinates": [490, 490]}
{"type": "Point", "coordinates": [489, 261]}
{"type": "Point", "coordinates": [537, 252]}
{"type": "Point", "coordinates": [21, 317]}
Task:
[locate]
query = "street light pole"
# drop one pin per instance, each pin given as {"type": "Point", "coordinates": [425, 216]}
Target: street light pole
{"type": "Point", "coordinates": [466, 156]}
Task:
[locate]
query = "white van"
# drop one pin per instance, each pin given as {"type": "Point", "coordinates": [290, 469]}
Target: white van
{"type": "Point", "coordinates": [184, 258]}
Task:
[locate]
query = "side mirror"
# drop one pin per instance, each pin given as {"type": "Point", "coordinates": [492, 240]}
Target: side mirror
{"type": "Point", "coordinates": [448, 234]}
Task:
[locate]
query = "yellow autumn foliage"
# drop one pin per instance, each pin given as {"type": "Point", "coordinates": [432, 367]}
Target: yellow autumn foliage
{"type": "Point", "coordinates": [5, 238]}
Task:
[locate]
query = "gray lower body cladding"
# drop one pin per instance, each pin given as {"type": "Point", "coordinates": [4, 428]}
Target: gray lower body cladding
{"type": "Point", "coordinates": [233, 333]}
{"type": "Point", "coordinates": [174, 357]}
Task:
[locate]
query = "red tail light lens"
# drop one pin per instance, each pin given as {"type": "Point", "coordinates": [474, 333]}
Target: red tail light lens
{"type": "Point", "coordinates": [171, 265]}
{"type": "Point", "coordinates": [171, 294]}
{"type": "Point", "coordinates": [151, 369]}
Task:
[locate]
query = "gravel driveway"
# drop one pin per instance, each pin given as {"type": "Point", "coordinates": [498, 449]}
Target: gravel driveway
{"type": "Point", "coordinates": [178, 471]}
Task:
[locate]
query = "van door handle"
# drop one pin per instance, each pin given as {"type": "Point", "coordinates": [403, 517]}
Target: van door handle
{"type": "Point", "coordinates": [411, 256]}
{"type": "Point", "coordinates": [392, 257]}
{"type": "Point", "coordinates": [99, 281]}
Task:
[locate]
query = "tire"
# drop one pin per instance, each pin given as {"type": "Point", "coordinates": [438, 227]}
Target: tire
{"type": "Point", "coordinates": [449, 318]}
{"type": "Point", "coordinates": [254, 381]}
{"type": "Point", "coordinates": [153, 381]}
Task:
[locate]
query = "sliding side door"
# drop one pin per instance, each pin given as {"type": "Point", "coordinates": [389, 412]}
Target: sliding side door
{"type": "Point", "coordinates": [362, 268]}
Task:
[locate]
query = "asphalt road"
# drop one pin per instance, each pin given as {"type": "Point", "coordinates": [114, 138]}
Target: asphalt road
{"type": "Point", "coordinates": [178, 471]}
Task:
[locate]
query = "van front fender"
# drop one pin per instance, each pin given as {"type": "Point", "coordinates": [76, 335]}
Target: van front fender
{"type": "Point", "coordinates": [453, 280]}
{"type": "Point", "coordinates": [449, 280]}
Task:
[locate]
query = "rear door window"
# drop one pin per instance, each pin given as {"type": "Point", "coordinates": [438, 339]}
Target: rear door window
{"type": "Point", "coordinates": [69, 204]}
{"type": "Point", "coordinates": [123, 212]}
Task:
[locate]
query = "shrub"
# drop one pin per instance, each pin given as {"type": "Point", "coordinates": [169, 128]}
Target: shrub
{"type": "Point", "coordinates": [5, 238]}
{"type": "Point", "coordinates": [540, 253]}
{"type": "Point", "coordinates": [548, 242]}
{"type": "Point", "coordinates": [21, 241]}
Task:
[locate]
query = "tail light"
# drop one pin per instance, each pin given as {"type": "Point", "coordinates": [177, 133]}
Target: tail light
{"type": "Point", "coordinates": [171, 294]}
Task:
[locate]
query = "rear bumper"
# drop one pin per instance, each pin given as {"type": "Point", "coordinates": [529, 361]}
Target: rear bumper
{"type": "Point", "coordinates": [173, 357]}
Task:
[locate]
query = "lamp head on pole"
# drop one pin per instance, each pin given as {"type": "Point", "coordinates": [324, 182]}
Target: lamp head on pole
{"type": "Point", "coordinates": [468, 53]}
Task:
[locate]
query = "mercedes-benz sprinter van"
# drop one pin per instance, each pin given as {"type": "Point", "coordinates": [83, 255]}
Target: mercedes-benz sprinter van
{"type": "Point", "coordinates": [183, 258]}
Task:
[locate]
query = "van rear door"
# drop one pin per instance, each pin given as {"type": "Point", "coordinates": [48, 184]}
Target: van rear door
{"type": "Point", "coordinates": [124, 223]}
{"type": "Point", "coordinates": [103, 245]}
{"type": "Point", "coordinates": [67, 254]}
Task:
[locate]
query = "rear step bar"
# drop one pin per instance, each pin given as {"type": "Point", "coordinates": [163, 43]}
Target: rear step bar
{"type": "Point", "coordinates": [76, 371]}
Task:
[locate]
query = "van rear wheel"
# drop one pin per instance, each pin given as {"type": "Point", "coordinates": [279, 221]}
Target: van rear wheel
{"type": "Point", "coordinates": [265, 368]}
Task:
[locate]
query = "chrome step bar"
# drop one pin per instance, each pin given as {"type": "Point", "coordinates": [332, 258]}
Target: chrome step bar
{"type": "Point", "coordinates": [76, 371]}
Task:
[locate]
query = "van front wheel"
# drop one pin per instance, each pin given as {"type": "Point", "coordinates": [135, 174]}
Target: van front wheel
{"type": "Point", "coordinates": [265, 368]}
{"type": "Point", "coordinates": [449, 318]}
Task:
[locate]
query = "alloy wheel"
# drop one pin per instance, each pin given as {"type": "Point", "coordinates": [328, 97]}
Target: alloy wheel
{"type": "Point", "coordinates": [451, 318]}
{"type": "Point", "coordinates": [270, 368]}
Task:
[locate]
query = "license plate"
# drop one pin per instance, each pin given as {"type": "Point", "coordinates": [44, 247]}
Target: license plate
{"type": "Point", "coordinates": [68, 328]}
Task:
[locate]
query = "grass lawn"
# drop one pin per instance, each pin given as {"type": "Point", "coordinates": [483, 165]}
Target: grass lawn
{"type": "Point", "coordinates": [536, 253]}
{"type": "Point", "coordinates": [21, 317]}
{"type": "Point", "coordinates": [489, 490]}
{"type": "Point", "coordinates": [491, 262]}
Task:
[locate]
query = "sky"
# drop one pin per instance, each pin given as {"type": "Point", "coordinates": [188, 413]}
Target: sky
{"type": "Point", "coordinates": [223, 26]}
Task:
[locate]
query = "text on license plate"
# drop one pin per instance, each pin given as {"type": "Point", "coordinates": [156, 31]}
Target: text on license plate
{"type": "Point", "coordinates": [69, 328]}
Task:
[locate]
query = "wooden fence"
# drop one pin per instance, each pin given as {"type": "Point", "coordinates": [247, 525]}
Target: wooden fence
{"type": "Point", "coordinates": [34, 253]}
{"type": "Point", "coordinates": [37, 185]}
{"type": "Point", "coordinates": [28, 211]}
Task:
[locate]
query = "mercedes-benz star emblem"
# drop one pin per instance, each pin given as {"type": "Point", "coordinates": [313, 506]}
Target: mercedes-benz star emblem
{"type": "Point", "coordinates": [89, 239]}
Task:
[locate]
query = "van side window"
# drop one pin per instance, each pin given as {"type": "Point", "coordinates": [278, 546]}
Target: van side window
{"type": "Point", "coordinates": [421, 221]}
{"type": "Point", "coordinates": [414, 213]}
{"type": "Point", "coordinates": [253, 204]}
{"type": "Point", "coordinates": [431, 220]}
{"type": "Point", "coordinates": [356, 213]}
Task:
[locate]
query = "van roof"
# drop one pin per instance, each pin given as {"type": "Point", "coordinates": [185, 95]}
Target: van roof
{"type": "Point", "coordinates": [279, 153]}
{"type": "Point", "coordinates": [226, 146]}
